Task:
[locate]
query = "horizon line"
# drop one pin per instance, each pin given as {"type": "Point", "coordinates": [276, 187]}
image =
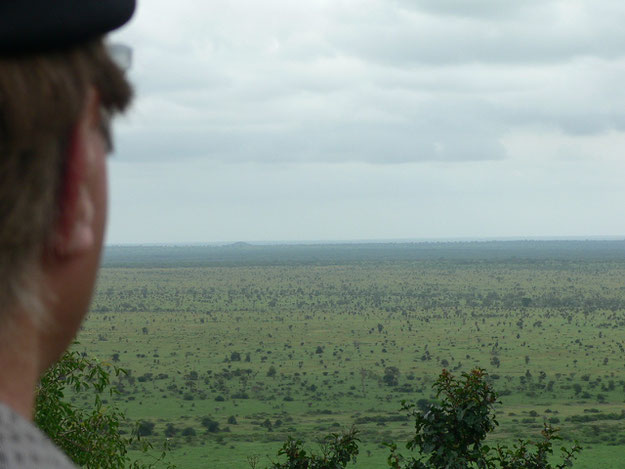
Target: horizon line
{"type": "Point", "coordinates": [372, 241]}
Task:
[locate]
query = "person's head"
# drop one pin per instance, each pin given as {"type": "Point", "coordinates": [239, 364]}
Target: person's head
{"type": "Point", "coordinates": [58, 89]}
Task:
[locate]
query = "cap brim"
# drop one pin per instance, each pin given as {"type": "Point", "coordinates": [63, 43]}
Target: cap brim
{"type": "Point", "coordinates": [42, 25]}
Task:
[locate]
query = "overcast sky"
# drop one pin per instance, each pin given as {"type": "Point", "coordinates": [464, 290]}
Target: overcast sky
{"type": "Point", "coordinates": [371, 119]}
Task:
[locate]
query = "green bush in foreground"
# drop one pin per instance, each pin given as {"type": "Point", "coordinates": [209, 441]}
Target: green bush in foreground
{"type": "Point", "coordinates": [337, 452]}
{"type": "Point", "coordinates": [92, 439]}
{"type": "Point", "coordinates": [448, 435]}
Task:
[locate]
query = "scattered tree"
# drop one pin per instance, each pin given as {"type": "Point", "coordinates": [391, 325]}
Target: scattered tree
{"type": "Point", "coordinates": [391, 376]}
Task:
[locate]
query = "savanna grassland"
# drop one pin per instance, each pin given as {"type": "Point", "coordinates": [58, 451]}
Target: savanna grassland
{"type": "Point", "coordinates": [231, 349]}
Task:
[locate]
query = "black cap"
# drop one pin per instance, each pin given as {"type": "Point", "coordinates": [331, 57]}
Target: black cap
{"type": "Point", "coordinates": [30, 26]}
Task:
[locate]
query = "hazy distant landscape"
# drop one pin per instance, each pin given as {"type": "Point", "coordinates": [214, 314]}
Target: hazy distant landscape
{"type": "Point", "coordinates": [230, 349]}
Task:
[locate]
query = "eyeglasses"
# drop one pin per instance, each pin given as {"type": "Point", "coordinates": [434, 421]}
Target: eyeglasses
{"type": "Point", "coordinates": [105, 130]}
{"type": "Point", "coordinates": [121, 55]}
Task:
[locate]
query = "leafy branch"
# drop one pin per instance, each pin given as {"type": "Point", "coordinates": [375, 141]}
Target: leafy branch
{"type": "Point", "coordinates": [92, 438]}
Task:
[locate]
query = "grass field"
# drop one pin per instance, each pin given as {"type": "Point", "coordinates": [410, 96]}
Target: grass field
{"type": "Point", "coordinates": [232, 349]}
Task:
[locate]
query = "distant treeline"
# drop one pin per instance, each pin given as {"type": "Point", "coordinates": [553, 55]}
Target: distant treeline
{"type": "Point", "coordinates": [242, 254]}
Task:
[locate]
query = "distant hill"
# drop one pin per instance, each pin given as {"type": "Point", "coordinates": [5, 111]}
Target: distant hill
{"type": "Point", "coordinates": [239, 244]}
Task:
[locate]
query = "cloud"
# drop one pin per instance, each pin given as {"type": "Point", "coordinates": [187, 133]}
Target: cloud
{"type": "Point", "coordinates": [483, 9]}
{"type": "Point", "coordinates": [372, 81]}
{"type": "Point", "coordinates": [530, 32]}
{"type": "Point", "coordinates": [360, 130]}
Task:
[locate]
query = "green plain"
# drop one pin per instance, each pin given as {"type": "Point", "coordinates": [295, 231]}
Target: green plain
{"type": "Point", "coordinates": [201, 328]}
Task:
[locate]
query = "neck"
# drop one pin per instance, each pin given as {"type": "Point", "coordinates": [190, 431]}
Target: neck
{"type": "Point", "coordinates": [19, 350]}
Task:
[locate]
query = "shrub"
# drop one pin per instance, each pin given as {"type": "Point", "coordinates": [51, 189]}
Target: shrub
{"type": "Point", "coordinates": [338, 451]}
{"type": "Point", "coordinates": [391, 376]}
{"type": "Point", "coordinates": [451, 433]}
{"type": "Point", "coordinates": [145, 428]}
{"type": "Point", "coordinates": [189, 431]}
{"type": "Point", "coordinates": [212, 426]}
{"type": "Point", "coordinates": [170, 430]}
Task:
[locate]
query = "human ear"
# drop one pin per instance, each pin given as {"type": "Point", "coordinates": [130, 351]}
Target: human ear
{"type": "Point", "coordinates": [74, 230]}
